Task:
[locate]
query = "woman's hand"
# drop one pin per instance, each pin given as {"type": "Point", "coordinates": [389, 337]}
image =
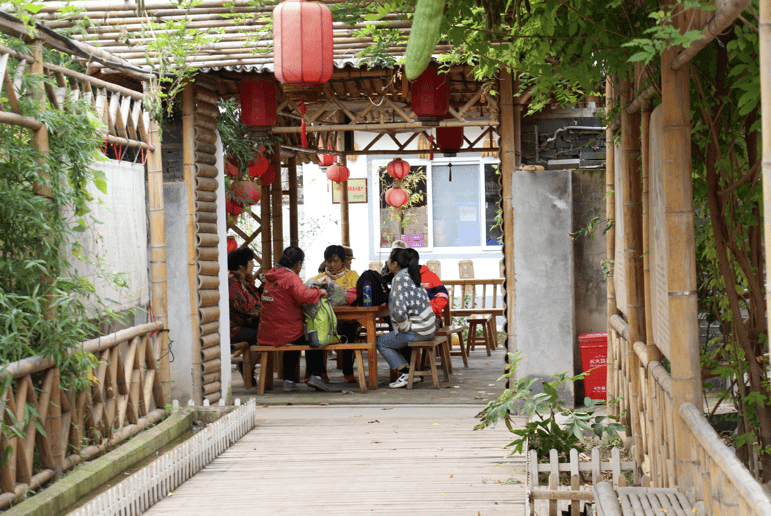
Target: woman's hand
{"type": "Point", "coordinates": [323, 292]}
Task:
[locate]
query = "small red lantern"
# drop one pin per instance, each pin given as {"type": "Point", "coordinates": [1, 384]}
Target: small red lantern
{"type": "Point", "coordinates": [268, 176]}
{"type": "Point", "coordinates": [397, 197]}
{"type": "Point", "coordinates": [338, 173]}
{"type": "Point", "coordinates": [327, 160]}
{"type": "Point", "coordinates": [247, 192]}
{"type": "Point", "coordinates": [449, 139]}
{"type": "Point", "coordinates": [302, 42]}
{"type": "Point", "coordinates": [430, 96]}
{"type": "Point", "coordinates": [231, 167]}
{"type": "Point", "coordinates": [258, 101]}
{"type": "Point", "coordinates": [259, 165]}
{"type": "Point", "coordinates": [232, 244]}
{"type": "Point", "coordinates": [233, 206]}
{"type": "Point", "coordinates": [398, 168]}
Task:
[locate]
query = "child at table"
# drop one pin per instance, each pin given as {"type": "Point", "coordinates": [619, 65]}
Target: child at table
{"type": "Point", "coordinates": [411, 315]}
{"type": "Point", "coordinates": [335, 270]}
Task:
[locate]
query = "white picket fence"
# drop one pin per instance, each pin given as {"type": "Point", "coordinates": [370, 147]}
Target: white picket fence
{"type": "Point", "coordinates": [580, 476]}
{"type": "Point", "coordinates": [154, 482]}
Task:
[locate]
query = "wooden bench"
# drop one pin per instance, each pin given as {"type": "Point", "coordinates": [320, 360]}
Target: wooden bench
{"type": "Point", "coordinates": [268, 352]}
{"type": "Point", "coordinates": [429, 349]}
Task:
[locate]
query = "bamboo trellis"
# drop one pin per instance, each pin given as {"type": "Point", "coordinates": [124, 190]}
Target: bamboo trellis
{"type": "Point", "coordinates": [126, 396]}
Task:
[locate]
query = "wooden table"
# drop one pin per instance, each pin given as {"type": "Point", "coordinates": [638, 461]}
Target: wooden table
{"type": "Point", "coordinates": [366, 315]}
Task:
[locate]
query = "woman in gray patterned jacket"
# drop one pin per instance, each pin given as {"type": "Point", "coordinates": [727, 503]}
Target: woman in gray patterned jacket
{"type": "Point", "coordinates": [411, 314]}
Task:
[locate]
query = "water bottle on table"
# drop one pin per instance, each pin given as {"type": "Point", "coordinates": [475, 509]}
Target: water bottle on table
{"type": "Point", "coordinates": [367, 293]}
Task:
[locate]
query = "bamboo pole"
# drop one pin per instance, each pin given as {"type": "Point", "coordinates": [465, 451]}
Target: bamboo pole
{"type": "Point", "coordinates": [765, 105]}
{"type": "Point", "coordinates": [681, 257]}
{"type": "Point", "coordinates": [610, 245]}
{"type": "Point", "coordinates": [188, 169]}
{"type": "Point", "coordinates": [508, 167]}
{"type": "Point", "coordinates": [645, 154]}
{"type": "Point", "coordinates": [265, 229]}
{"type": "Point", "coordinates": [157, 214]}
{"type": "Point", "coordinates": [294, 232]}
{"type": "Point", "coordinates": [277, 221]}
{"type": "Point", "coordinates": [345, 225]}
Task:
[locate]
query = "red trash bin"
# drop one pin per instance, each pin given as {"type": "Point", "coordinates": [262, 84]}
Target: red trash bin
{"type": "Point", "coordinates": [594, 354]}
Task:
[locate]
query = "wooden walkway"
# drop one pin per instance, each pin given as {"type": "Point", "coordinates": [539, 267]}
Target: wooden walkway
{"type": "Point", "coordinates": [395, 460]}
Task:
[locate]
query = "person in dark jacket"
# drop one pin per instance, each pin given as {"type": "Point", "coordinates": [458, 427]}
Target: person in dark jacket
{"type": "Point", "coordinates": [281, 320]}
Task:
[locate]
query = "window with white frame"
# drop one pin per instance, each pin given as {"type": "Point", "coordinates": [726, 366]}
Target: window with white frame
{"type": "Point", "coordinates": [454, 204]}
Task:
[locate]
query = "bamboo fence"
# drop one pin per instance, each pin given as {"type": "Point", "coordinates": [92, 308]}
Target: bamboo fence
{"type": "Point", "coordinates": [125, 397]}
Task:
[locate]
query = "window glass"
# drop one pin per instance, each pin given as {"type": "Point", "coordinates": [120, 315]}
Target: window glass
{"type": "Point", "coordinates": [493, 233]}
{"type": "Point", "coordinates": [456, 209]}
{"type": "Point", "coordinates": [408, 224]}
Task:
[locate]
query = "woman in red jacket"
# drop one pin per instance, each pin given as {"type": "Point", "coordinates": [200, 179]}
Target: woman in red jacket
{"type": "Point", "coordinates": [281, 318]}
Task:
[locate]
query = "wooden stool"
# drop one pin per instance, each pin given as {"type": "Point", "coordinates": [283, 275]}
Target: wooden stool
{"type": "Point", "coordinates": [483, 321]}
{"type": "Point", "coordinates": [429, 350]}
{"type": "Point", "coordinates": [449, 331]}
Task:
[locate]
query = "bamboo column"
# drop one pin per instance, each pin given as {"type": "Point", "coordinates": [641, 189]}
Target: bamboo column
{"type": "Point", "coordinates": [645, 118]}
{"type": "Point", "coordinates": [277, 221]}
{"type": "Point", "coordinates": [508, 155]}
{"type": "Point", "coordinates": [765, 106]}
{"type": "Point", "coordinates": [633, 262]}
{"type": "Point", "coordinates": [345, 224]}
{"type": "Point", "coordinates": [188, 169]}
{"type": "Point", "coordinates": [681, 258]}
{"type": "Point", "coordinates": [610, 242]}
{"type": "Point", "coordinates": [294, 234]}
{"type": "Point", "coordinates": [266, 261]}
{"type": "Point", "coordinates": [157, 215]}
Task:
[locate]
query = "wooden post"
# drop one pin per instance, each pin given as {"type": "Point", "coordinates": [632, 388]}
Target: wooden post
{"type": "Point", "coordinates": [345, 225]}
{"type": "Point", "coordinates": [277, 221]}
{"type": "Point", "coordinates": [645, 118]}
{"type": "Point", "coordinates": [681, 258]}
{"type": "Point", "coordinates": [158, 278]}
{"type": "Point", "coordinates": [294, 233]}
{"type": "Point", "coordinates": [633, 262]}
{"type": "Point", "coordinates": [188, 169]}
{"type": "Point", "coordinates": [508, 167]}
{"type": "Point", "coordinates": [765, 106]}
{"type": "Point", "coordinates": [265, 229]}
{"type": "Point", "coordinates": [610, 241]}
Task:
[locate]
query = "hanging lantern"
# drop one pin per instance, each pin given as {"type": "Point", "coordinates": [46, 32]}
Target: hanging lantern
{"type": "Point", "coordinates": [268, 176]}
{"type": "Point", "coordinates": [231, 167]}
{"type": "Point", "coordinates": [338, 173]}
{"type": "Point", "coordinates": [259, 165]}
{"type": "Point", "coordinates": [449, 139]}
{"type": "Point", "coordinates": [397, 197]}
{"type": "Point", "coordinates": [232, 244]}
{"type": "Point", "coordinates": [398, 168]}
{"type": "Point", "coordinates": [233, 206]}
{"type": "Point", "coordinates": [327, 160]}
{"type": "Point", "coordinates": [430, 96]}
{"type": "Point", "coordinates": [302, 42]}
{"type": "Point", "coordinates": [258, 102]}
{"type": "Point", "coordinates": [247, 192]}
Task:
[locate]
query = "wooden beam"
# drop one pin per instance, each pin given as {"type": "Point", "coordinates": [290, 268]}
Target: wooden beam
{"type": "Point", "coordinates": [294, 233]}
{"type": "Point", "coordinates": [384, 126]}
{"type": "Point", "coordinates": [765, 106]}
{"type": "Point", "coordinates": [277, 219]}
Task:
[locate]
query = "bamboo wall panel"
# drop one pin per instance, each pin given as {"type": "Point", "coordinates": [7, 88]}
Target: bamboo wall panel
{"type": "Point", "coordinates": [125, 397]}
{"type": "Point", "coordinates": [208, 267]}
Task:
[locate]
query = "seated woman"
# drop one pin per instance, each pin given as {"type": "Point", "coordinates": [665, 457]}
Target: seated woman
{"type": "Point", "coordinates": [281, 320]}
{"type": "Point", "coordinates": [243, 299]}
{"type": "Point", "coordinates": [411, 314]}
{"type": "Point", "coordinates": [437, 292]}
{"type": "Point", "coordinates": [335, 270]}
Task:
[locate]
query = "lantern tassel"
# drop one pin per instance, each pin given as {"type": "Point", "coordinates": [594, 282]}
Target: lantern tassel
{"type": "Point", "coordinates": [303, 134]}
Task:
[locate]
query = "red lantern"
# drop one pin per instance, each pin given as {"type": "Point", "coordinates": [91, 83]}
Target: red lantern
{"type": "Point", "coordinates": [398, 168]}
{"type": "Point", "coordinates": [233, 206]}
{"type": "Point", "coordinates": [231, 167]}
{"type": "Point", "coordinates": [338, 173]}
{"type": "Point", "coordinates": [247, 192]}
{"type": "Point", "coordinates": [326, 160]}
{"type": "Point", "coordinates": [430, 96]}
{"type": "Point", "coordinates": [449, 139]}
{"type": "Point", "coordinates": [259, 165]}
{"type": "Point", "coordinates": [397, 197]}
{"type": "Point", "coordinates": [258, 101]}
{"type": "Point", "coordinates": [232, 244]}
{"type": "Point", "coordinates": [268, 176]}
{"type": "Point", "coordinates": [302, 42]}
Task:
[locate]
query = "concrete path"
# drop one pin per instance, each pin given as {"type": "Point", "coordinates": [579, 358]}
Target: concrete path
{"type": "Point", "coordinates": [350, 460]}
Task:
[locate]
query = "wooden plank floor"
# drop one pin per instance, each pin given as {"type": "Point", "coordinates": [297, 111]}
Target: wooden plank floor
{"type": "Point", "coordinates": [395, 460]}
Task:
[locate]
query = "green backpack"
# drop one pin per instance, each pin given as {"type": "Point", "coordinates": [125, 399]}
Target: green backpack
{"type": "Point", "coordinates": [320, 324]}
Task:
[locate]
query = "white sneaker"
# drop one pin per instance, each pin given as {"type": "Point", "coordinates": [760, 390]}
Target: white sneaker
{"type": "Point", "coordinates": [400, 382]}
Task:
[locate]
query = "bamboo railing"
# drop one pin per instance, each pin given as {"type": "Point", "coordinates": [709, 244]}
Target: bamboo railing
{"type": "Point", "coordinates": [124, 398]}
{"type": "Point", "coordinates": [722, 482]}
